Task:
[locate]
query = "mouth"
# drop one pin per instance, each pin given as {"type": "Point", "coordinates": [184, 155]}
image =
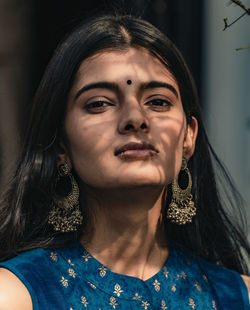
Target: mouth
{"type": "Point", "coordinates": [136, 150]}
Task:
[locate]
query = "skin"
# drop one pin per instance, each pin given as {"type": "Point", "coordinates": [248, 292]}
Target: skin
{"type": "Point", "coordinates": [123, 192]}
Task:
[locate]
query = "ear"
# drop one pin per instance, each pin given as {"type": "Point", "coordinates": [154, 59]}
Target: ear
{"type": "Point", "coordinates": [63, 156]}
{"type": "Point", "coordinates": [190, 138]}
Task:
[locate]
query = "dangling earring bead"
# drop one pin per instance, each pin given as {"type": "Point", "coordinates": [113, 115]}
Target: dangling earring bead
{"type": "Point", "coordinates": [181, 209]}
{"type": "Point", "coordinates": [65, 215]}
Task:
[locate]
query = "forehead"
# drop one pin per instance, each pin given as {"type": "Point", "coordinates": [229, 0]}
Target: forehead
{"type": "Point", "coordinates": [132, 63]}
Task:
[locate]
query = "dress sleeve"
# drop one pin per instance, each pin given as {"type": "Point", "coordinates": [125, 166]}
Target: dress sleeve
{"type": "Point", "coordinates": [21, 276]}
{"type": "Point", "coordinates": [228, 286]}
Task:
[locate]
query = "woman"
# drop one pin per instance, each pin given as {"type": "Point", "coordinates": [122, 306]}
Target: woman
{"type": "Point", "coordinates": [114, 204]}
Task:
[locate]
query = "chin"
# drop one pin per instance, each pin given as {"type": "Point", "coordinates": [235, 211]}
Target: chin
{"type": "Point", "coordinates": [138, 181]}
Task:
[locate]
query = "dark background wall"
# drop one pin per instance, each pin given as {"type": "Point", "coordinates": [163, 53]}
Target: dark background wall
{"type": "Point", "coordinates": [179, 19]}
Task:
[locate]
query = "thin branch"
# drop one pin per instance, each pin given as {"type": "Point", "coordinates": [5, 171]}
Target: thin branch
{"type": "Point", "coordinates": [242, 48]}
{"type": "Point", "coordinates": [229, 25]}
{"type": "Point", "coordinates": [239, 3]}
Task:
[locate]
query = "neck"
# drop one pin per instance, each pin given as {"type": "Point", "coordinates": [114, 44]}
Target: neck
{"type": "Point", "coordinates": [128, 234]}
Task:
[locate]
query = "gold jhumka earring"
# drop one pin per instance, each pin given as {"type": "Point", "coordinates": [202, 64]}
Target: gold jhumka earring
{"type": "Point", "coordinates": [181, 209]}
{"type": "Point", "coordinates": [65, 214]}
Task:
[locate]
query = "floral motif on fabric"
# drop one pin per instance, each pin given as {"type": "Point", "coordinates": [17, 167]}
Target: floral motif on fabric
{"type": "Point", "coordinates": [191, 303]}
{"type": "Point", "coordinates": [72, 272]}
{"type": "Point", "coordinates": [163, 305]}
{"type": "Point", "coordinates": [145, 305]}
{"type": "Point", "coordinates": [117, 290]}
{"type": "Point", "coordinates": [103, 271]}
{"type": "Point", "coordinates": [113, 302]}
{"type": "Point", "coordinates": [54, 256]}
{"type": "Point", "coordinates": [205, 278]}
{"type": "Point", "coordinates": [157, 285]}
{"type": "Point", "coordinates": [165, 271]}
{"type": "Point", "coordinates": [86, 256]}
{"type": "Point", "coordinates": [92, 285]}
{"type": "Point", "coordinates": [84, 301]}
{"type": "Point", "coordinates": [214, 305]}
{"type": "Point", "coordinates": [198, 286]}
{"type": "Point", "coordinates": [137, 297]}
{"type": "Point", "coordinates": [64, 282]}
{"type": "Point", "coordinates": [173, 288]}
{"type": "Point", "coordinates": [70, 263]}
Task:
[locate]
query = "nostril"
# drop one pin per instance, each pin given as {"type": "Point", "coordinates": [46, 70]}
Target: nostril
{"type": "Point", "coordinates": [143, 126]}
{"type": "Point", "coordinates": [129, 127]}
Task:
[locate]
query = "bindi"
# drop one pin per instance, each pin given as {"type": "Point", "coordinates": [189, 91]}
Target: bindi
{"type": "Point", "coordinates": [129, 82]}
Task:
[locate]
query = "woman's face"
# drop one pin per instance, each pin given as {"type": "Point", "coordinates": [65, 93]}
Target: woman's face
{"type": "Point", "coordinates": [125, 123]}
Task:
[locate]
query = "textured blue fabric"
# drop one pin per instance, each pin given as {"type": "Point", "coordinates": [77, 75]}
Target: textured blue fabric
{"type": "Point", "coordinates": [71, 279]}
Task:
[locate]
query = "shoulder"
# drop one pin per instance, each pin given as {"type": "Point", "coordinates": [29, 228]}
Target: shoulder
{"type": "Point", "coordinates": [21, 276]}
{"type": "Point", "coordinates": [11, 286]}
{"type": "Point", "coordinates": [27, 261]}
{"type": "Point", "coordinates": [226, 284]}
{"type": "Point", "coordinates": [246, 279]}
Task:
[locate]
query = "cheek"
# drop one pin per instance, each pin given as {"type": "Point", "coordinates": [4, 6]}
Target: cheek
{"type": "Point", "coordinates": [88, 144]}
{"type": "Point", "coordinates": [170, 141]}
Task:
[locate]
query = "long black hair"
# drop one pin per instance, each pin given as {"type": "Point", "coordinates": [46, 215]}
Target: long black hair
{"type": "Point", "coordinates": [24, 210]}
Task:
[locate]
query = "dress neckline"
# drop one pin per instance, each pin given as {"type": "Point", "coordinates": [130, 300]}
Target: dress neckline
{"type": "Point", "coordinates": [99, 276]}
{"type": "Point", "coordinates": [87, 255]}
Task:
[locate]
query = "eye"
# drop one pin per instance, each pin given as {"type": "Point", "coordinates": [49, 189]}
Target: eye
{"type": "Point", "coordinates": [159, 104]}
{"type": "Point", "coordinates": [97, 106]}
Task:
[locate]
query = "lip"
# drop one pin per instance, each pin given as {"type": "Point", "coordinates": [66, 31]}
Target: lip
{"type": "Point", "coordinates": [136, 150]}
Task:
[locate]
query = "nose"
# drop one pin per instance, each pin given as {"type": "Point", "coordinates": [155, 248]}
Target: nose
{"type": "Point", "coordinates": [133, 119]}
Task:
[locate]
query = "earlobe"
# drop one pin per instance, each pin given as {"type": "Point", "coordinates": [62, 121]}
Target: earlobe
{"type": "Point", "coordinates": [190, 139]}
{"type": "Point", "coordinates": [63, 155]}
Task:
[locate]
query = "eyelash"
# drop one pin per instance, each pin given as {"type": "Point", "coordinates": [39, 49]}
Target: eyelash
{"type": "Point", "coordinates": [156, 104]}
{"type": "Point", "coordinates": [164, 104]}
{"type": "Point", "coordinates": [97, 105]}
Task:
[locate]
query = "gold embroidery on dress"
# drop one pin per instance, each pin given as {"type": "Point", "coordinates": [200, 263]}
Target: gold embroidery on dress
{"type": "Point", "coordinates": [113, 302]}
{"type": "Point", "coordinates": [86, 256]}
{"type": "Point", "coordinates": [191, 303]}
{"type": "Point", "coordinates": [173, 288]}
{"type": "Point", "coordinates": [163, 305]}
{"type": "Point", "coordinates": [117, 290]}
{"type": "Point", "coordinates": [72, 273]}
{"type": "Point", "coordinates": [53, 256]}
{"type": "Point", "coordinates": [205, 278]}
{"type": "Point", "coordinates": [69, 261]}
{"type": "Point", "coordinates": [214, 305]}
{"type": "Point", "coordinates": [165, 272]}
{"type": "Point", "coordinates": [157, 285]}
{"type": "Point", "coordinates": [145, 304]}
{"type": "Point", "coordinates": [64, 282]}
{"type": "Point", "coordinates": [84, 301]}
{"type": "Point", "coordinates": [137, 297]}
{"type": "Point", "coordinates": [197, 285]}
{"type": "Point", "coordinates": [92, 285]}
{"type": "Point", "coordinates": [182, 275]}
{"type": "Point", "coordinates": [102, 271]}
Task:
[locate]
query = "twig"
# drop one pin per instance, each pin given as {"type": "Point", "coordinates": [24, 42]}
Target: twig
{"type": "Point", "coordinates": [239, 3]}
{"type": "Point", "coordinates": [229, 25]}
{"type": "Point", "coordinates": [242, 48]}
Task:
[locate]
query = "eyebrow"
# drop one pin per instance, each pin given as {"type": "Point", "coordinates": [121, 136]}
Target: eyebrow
{"type": "Point", "coordinates": [106, 85]}
{"type": "Point", "coordinates": [115, 87]}
{"type": "Point", "coordinates": [157, 84]}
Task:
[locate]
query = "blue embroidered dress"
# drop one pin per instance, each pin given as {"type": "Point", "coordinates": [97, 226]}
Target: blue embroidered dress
{"type": "Point", "coordinates": [71, 279]}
